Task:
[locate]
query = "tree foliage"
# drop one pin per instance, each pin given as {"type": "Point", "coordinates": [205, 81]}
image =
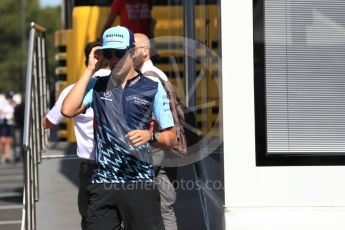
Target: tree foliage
{"type": "Point", "coordinates": [14, 27]}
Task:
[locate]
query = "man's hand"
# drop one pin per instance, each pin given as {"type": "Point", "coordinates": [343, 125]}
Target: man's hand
{"type": "Point", "coordinates": [95, 59]}
{"type": "Point", "coordinates": [138, 137]}
{"type": "Point", "coordinates": [47, 123]}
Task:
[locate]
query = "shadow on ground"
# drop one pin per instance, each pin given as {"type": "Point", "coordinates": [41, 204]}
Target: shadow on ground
{"type": "Point", "coordinates": [190, 213]}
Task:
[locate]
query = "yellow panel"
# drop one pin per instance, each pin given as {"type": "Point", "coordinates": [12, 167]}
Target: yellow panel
{"type": "Point", "coordinates": [167, 67]}
{"type": "Point", "coordinates": [179, 86]}
{"type": "Point", "coordinates": [169, 20]}
{"type": "Point", "coordinates": [61, 37]}
{"type": "Point", "coordinates": [87, 24]}
{"type": "Point", "coordinates": [213, 88]}
{"type": "Point", "coordinates": [59, 86]}
{"type": "Point", "coordinates": [70, 130]}
{"type": "Point", "coordinates": [62, 133]}
{"type": "Point", "coordinates": [61, 70]}
{"type": "Point", "coordinates": [60, 56]}
{"type": "Point", "coordinates": [214, 24]}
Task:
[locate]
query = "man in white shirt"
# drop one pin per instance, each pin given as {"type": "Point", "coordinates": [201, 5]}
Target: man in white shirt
{"type": "Point", "coordinates": [84, 132]}
{"type": "Point", "coordinates": [164, 176]}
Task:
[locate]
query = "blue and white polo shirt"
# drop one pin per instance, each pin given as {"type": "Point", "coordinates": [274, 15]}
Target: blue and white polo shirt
{"type": "Point", "coordinates": [118, 111]}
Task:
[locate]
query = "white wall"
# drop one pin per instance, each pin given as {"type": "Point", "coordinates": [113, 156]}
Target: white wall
{"type": "Point", "coordinates": [266, 197]}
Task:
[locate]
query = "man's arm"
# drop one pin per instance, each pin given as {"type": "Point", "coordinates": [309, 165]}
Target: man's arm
{"type": "Point", "coordinates": [114, 11]}
{"type": "Point", "coordinates": [47, 124]}
{"type": "Point", "coordinates": [111, 18]}
{"type": "Point", "coordinates": [166, 138]}
{"type": "Point", "coordinates": [54, 116]}
{"type": "Point", "coordinates": [73, 104]}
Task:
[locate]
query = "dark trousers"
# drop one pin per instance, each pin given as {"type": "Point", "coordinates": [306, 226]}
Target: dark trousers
{"type": "Point", "coordinates": [137, 204]}
{"type": "Point", "coordinates": [85, 172]}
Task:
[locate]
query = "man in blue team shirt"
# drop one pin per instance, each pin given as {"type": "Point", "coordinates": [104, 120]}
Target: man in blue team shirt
{"type": "Point", "coordinates": [122, 186]}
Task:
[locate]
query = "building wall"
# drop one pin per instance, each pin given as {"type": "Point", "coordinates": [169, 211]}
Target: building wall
{"type": "Point", "coordinates": [288, 197]}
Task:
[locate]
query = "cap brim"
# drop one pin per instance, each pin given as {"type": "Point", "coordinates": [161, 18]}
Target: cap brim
{"type": "Point", "coordinates": [114, 47]}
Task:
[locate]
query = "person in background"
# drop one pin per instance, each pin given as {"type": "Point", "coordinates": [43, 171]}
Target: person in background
{"type": "Point", "coordinates": [134, 14]}
{"type": "Point", "coordinates": [165, 176]}
{"type": "Point", "coordinates": [7, 125]}
{"type": "Point", "coordinates": [19, 111]}
{"type": "Point", "coordinates": [122, 188]}
{"type": "Point", "coordinates": [83, 127]}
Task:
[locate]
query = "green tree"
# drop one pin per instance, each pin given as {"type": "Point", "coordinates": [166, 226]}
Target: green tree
{"type": "Point", "coordinates": [13, 55]}
{"type": "Point", "coordinates": [49, 17]}
{"type": "Point", "coordinates": [10, 45]}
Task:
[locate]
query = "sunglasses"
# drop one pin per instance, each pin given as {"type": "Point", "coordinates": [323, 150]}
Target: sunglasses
{"type": "Point", "coordinates": [109, 53]}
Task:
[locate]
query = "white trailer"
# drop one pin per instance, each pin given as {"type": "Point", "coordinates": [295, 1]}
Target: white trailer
{"type": "Point", "coordinates": [302, 189]}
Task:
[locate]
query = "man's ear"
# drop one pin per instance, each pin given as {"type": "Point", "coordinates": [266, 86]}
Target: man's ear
{"type": "Point", "coordinates": [146, 52]}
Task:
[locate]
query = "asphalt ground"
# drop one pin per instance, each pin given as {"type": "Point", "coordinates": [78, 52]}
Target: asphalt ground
{"type": "Point", "coordinates": [11, 195]}
{"type": "Point", "coordinates": [58, 187]}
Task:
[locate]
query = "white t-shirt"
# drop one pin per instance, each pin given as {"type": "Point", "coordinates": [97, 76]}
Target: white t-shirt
{"type": "Point", "coordinates": [83, 123]}
{"type": "Point", "coordinates": [7, 112]}
{"type": "Point", "coordinates": [157, 154]}
{"type": "Point", "coordinates": [148, 66]}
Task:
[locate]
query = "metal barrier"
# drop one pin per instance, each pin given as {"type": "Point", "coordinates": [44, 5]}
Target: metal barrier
{"type": "Point", "coordinates": [35, 138]}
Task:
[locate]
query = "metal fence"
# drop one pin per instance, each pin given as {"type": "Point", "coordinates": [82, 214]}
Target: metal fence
{"type": "Point", "coordinates": [35, 138]}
